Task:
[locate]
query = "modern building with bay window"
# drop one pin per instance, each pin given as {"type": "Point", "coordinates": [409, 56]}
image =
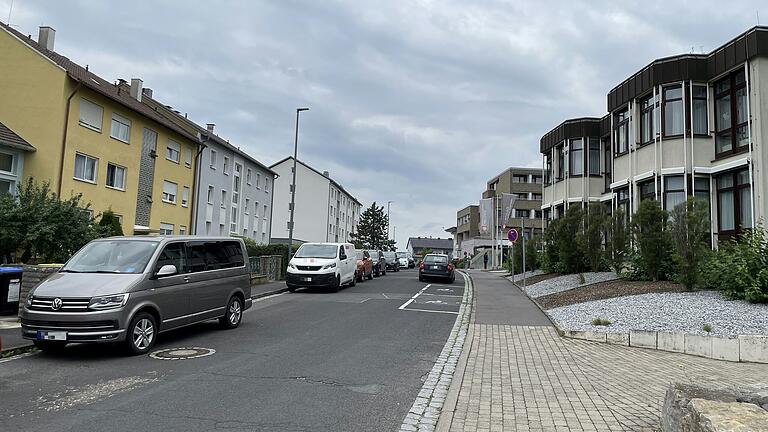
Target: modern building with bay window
{"type": "Point", "coordinates": [687, 125]}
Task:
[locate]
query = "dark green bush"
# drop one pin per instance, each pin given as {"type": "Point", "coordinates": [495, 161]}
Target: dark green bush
{"type": "Point", "coordinates": [654, 252]}
{"type": "Point", "coordinates": [549, 257]}
{"type": "Point", "coordinates": [590, 239]}
{"type": "Point", "coordinates": [689, 229]}
{"type": "Point", "coordinates": [254, 249]}
{"type": "Point", "coordinates": [570, 253]}
{"type": "Point", "coordinates": [739, 269]}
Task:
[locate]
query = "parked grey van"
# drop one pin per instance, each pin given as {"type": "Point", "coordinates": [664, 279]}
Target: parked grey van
{"type": "Point", "coordinates": [130, 289]}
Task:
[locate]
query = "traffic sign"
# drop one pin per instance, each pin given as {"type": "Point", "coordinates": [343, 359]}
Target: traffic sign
{"type": "Point", "coordinates": [512, 235]}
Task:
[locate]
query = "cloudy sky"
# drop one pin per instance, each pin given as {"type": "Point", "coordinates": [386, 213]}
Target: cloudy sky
{"type": "Point", "coordinates": [418, 101]}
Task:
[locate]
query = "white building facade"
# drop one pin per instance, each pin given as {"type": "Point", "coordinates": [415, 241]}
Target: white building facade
{"type": "Point", "coordinates": [325, 211]}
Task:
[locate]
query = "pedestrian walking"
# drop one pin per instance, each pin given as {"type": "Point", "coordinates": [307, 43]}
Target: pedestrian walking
{"type": "Point", "coordinates": [485, 261]}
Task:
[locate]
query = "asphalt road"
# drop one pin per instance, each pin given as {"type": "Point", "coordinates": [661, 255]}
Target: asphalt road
{"type": "Point", "coordinates": [307, 361]}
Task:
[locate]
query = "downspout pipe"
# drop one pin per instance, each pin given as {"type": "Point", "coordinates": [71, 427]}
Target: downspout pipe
{"type": "Point", "coordinates": [201, 145]}
{"type": "Point", "coordinates": [64, 138]}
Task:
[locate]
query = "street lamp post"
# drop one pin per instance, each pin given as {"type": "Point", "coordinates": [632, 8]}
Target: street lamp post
{"type": "Point", "coordinates": [388, 220]}
{"type": "Point", "coordinates": [293, 182]}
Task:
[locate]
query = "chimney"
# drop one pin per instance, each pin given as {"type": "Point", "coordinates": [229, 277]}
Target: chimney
{"type": "Point", "coordinates": [147, 91]}
{"type": "Point", "coordinates": [326, 174]}
{"type": "Point", "coordinates": [136, 88]}
{"type": "Point", "coordinates": [46, 37]}
{"type": "Point", "coordinates": [210, 126]}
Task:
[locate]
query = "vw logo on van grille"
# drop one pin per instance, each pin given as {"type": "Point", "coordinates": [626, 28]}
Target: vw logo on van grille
{"type": "Point", "coordinates": [56, 304]}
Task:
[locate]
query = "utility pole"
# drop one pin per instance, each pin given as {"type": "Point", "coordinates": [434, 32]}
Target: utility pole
{"type": "Point", "coordinates": [388, 220]}
{"type": "Point", "coordinates": [293, 182]}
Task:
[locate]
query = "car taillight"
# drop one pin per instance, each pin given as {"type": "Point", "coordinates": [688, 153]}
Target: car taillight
{"type": "Point", "coordinates": [421, 266]}
{"type": "Point", "coordinates": [450, 267]}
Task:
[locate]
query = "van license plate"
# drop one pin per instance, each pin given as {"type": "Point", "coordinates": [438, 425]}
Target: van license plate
{"type": "Point", "coordinates": [307, 279]}
{"type": "Point", "coordinates": [435, 267]}
{"type": "Point", "coordinates": [51, 335]}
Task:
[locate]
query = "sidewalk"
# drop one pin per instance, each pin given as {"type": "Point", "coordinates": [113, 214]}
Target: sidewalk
{"type": "Point", "coordinates": [268, 289]}
{"type": "Point", "coordinates": [520, 375]}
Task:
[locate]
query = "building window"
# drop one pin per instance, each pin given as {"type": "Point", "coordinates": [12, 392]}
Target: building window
{"type": "Point", "coordinates": [673, 111]}
{"type": "Point", "coordinates": [518, 178]}
{"type": "Point", "coordinates": [7, 187]}
{"type": "Point", "coordinates": [247, 206]}
{"type": "Point", "coordinates": [674, 192]}
{"type": "Point", "coordinates": [256, 209]}
{"type": "Point", "coordinates": [536, 196]}
{"type": "Point", "coordinates": [226, 165]}
{"type": "Point", "coordinates": [210, 194]}
{"type": "Point", "coordinates": [91, 115]}
{"type": "Point", "coordinates": [173, 150]}
{"type": "Point", "coordinates": [622, 201]}
{"type": "Point", "coordinates": [523, 213]}
{"type": "Point", "coordinates": [258, 181]}
{"type": "Point", "coordinates": [214, 155]}
{"type": "Point", "coordinates": [85, 167]}
{"type": "Point", "coordinates": [734, 202]}
{"type": "Point", "coordinates": [170, 190]}
{"type": "Point", "coordinates": [115, 176]}
{"type": "Point", "coordinates": [166, 228]}
{"type": "Point", "coordinates": [647, 190]}
{"type": "Point", "coordinates": [701, 189]}
{"type": "Point", "coordinates": [560, 163]}
{"type": "Point", "coordinates": [699, 110]}
{"type": "Point", "coordinates": [621, 133]}
{"type": "Point", "coordinates": [236, 190]}
{"type": "Point", "coordinates": [548, 169]}
{"type": "Point", "coordinates": [7, 163]}
{"type": "Point", "coordinates": [182, 230]}
{"type": "Point", "coordinates": [223, 200]}
{"type": "Point", "coordinates": [266, 210]}
{"type": "Point", "coordinates": [577, 157]}
{"type": "Point", "coordinates": [732, 135]}
{"type": "Point", "coordinates": [121, 128]}
{"type": "Point", "coordinates": [648, 122]}
{"type": "Point", "coordinates": [594, 156]}
{"type": "Point", "coordinates": [266, 184]}
{"type": "Point", "coordinates": [536, 179]}
{"type": "Point", "coordinates": [248, 176]}
{"type": "Point", "coordinates": [187, 160]}
{"type": "Point", "coordinates": [185, 196]}
{"type": "Point", "coordinates": [233, 223]}
{"type": "Point", "coordinates": [238, 168]}
{"type": "Point", "coordinates": [607, 164]}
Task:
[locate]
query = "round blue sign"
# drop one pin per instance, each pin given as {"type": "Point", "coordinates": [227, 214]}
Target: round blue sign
{"type": "Point", "coordinates": [512, 235]}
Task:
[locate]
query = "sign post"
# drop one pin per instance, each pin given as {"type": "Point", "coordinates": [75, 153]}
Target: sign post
{"type": "Point", "coordinates": [512, 238]}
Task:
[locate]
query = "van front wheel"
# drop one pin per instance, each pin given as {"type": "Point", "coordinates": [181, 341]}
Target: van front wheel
{"type": "Point", "coordinates": [233, 315]}
{"type": "Point", "coordinates": [142, 333]}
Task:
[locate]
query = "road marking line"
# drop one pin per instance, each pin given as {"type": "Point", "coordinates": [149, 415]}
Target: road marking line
{"type": "Point", "coordinates": [414, 297]}
{"type": "Point", "coordinates": [443, 295]}
{"type": "Point", "coordinates": [20, 356]}
{"type": "Point", "coordinates": [385, 296]}
{"type": "Point", "coordinates": [435, 311]}
{"type": "Point", "coordinates": [270, 297]}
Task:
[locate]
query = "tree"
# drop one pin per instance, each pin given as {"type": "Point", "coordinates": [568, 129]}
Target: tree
{"type": "Point", "coordinates": [653, 241]}
{"type": "Point", "coordinates": [571, 255]}
{"type": "Point", "coordinates": [618, 240]}
{"type": "Point", "coordinates": [550, 256]}
{"type": "Point", "coordinates": [110, 223]}
{"type": "Point", "coordinates": [372, 230]}
{"type": "Point", "coordinates": [689, 228]}
{"type": "Point", "coordinates": [590, 239]}
{"type": "Point", "coordinates": [43, 227]}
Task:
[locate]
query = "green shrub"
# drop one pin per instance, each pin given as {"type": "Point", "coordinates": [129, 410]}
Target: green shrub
{"type": "Point", "coordinates": [707, 328]}
{"type": "Point", "coordinates": [618, 235]}
{"type": "Point", "coordinates": [600, 322]}
{"type": "Point", "coordinates": [255, 249]}
{"type": "Point", "coordinates": [569, 251]}
{"type": "Point", "coordinates": [653, 258]}
{"type": "Point", "coordinates": [110, 224]}
{"type": "Point", "coordinates": [739, 269]}
{"type": "Point", "coordinates": [549, 257]}
{"type": "Point", "coordinates": [590, 239]}
{"type": "Point", "coordinates": [689, 229]}
{"type": "Point", "coordinates": [531, 252]}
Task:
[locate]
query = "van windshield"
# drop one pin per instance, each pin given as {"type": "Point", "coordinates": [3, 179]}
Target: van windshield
{"type": "Point", "coordinates": [402, 254]}
{"type": "Point", "coordinates": [317, 251]}
{"type": "Point", "coordinates": [112, 256]}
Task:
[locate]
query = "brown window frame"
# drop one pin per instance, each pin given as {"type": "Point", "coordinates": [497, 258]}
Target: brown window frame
{"type": "Point", "coordinates": [706, 107]}
{"type": "Point", "coordinates": [736, 189]}
{"type": "Point", "coordinates": [733, 88]}
{"type": "Point", "coordinates": [624, 122]}
{"type": "Point", "coordinates": [548, 168]}
{"type": "Point", "coordinates": [664, 102]}
{"type": "Point", "coordinates": [588, 156]}
{"type": "Point", "coordinates": [642, 184]}
{"type": "Point", "coordinates": [608, 164]}
{"type": "Point", "coordinates": [667, 190]}
{"type": "Point", "coordinates": [560, 152]}
{"type": "Point", "coordinates": [571, 152]}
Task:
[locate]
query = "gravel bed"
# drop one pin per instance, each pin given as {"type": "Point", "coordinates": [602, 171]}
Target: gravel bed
{"type": "Point", "coordinates": [528, 275]}
{"type": "Point", "coordinates": [566, 282]}
{"type": "Point", "coordinates": [681, 312]}
{"type": "Point", "coordinates": [605, 290]}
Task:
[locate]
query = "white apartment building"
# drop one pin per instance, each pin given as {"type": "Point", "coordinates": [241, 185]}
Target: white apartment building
{"type": "Point", "coordinates": [687, 125]}
{"type": "Point", "coordinates": [325, 211]}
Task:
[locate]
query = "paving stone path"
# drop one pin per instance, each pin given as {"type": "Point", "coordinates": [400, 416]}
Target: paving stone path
{"type": "Point", "coordinates": [527, 378]}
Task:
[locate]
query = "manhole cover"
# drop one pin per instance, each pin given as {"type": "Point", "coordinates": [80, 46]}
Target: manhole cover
{"type": "Point", "coordinates": [182, 353]}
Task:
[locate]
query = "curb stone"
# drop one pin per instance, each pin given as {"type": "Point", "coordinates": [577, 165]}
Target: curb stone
{"type": "Point", "coordinates": [426, 409]}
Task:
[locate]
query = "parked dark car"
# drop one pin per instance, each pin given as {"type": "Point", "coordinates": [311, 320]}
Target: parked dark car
{"type": "Point", "coordinates": [436, 266]}
{"type": "Point", "coordinates": [379, 263]}
{"type": "Point", "coordinates": [392, 262]}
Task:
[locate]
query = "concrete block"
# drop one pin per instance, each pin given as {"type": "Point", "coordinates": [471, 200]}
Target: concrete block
{"type": "Point", "coordinates": [642, 339]}
{"type": "Point", "coordinates": [671, 341]}
{"type": "Point", "coordinates": [586, 335]}
{"type": "Point", "coordinates": [753, 349]}
{"type": "Point", "coordinates": [725, 348]}
{"type": "Point", "coordinates": [698, 345]}
{"type": "Point", "coordinates": [617, 338]}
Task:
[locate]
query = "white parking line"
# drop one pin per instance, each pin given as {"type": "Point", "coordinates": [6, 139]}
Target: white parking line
{"type": "Point", "coordinates": [444, 295]}
{"type": "Point", "coordinates": [414, 297]}
{"type": "Point", "coordinates": [435, 311]}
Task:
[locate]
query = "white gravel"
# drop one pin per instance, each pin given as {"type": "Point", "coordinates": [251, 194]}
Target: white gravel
{"type": "Point", "coordinates": [682, 312]}
{"type": "Point", "coordinates": [519, 277]}
{"type": "Point", "coordinates": [566, 282]}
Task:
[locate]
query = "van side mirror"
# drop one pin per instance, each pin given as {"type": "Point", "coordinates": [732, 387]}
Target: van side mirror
{"type": "Point", "coordinates": [167, 270]}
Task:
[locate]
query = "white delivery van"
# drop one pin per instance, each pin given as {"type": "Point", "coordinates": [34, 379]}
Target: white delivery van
{"type": "Point", "coordinates": [328, 265]}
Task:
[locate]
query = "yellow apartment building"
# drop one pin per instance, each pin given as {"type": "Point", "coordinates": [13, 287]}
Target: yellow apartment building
{"type": "Point", "coordinates": [96, 138]}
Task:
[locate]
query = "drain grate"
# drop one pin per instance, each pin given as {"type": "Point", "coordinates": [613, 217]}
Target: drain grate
{"type": "Point", "coordinates": [185, 353]}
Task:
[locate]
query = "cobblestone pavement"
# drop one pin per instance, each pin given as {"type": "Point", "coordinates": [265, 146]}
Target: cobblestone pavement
{"type": "Point", "coordinates": [527, 378]}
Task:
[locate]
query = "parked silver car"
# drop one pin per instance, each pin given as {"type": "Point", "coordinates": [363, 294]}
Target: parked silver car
{"type": "Point", "coordinates": [130, 289]}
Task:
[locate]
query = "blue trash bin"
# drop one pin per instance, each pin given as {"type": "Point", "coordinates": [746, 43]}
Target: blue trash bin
{"type": "Point", "coordinates": [10, 290]}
